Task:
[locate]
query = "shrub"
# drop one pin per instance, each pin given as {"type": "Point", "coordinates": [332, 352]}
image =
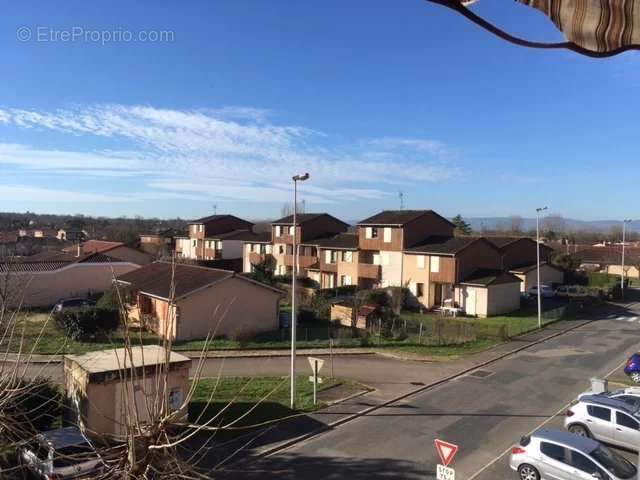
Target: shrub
{"type": "Point", "coordinates": [109, 300]}
{"type": "Point", "coordinates": [243, 337]}
{"type": "Point", "coordinates": [39, 403]}
{"type": "Point", "coordinates": [86, 323]}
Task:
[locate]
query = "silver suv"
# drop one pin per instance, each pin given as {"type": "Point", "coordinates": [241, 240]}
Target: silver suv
{"type": "Point", "coordinates": [560, 455]}
{"type": "Point", "coordinates": [606, 419]}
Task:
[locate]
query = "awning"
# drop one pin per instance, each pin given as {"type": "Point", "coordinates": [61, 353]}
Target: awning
{"type": "Point", "coordinates": [596, 28]}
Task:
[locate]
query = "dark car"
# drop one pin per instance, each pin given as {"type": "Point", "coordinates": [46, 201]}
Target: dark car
{"type": "Point", "coordinates": [632, 367]}
{"type": "Point", "coordinates": [73, 304]}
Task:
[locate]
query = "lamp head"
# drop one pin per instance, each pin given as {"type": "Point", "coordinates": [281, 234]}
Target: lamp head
{"type": "Point", "coordinates": [301, 178]}
{"type": "Point", "coordinates": [542, 209]}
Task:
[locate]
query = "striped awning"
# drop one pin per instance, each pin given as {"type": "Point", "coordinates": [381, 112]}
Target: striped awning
{"type": "Point", "coordinates": [598, 28]}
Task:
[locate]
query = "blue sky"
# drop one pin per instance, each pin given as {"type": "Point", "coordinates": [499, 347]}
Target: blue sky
{"type": "Point", "coordinates": [370, 96]}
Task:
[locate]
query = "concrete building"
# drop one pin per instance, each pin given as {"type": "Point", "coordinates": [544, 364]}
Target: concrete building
{"type": "Point", "coordinates": [528, 275]}
{"type": "Point", "coordinates": [105, 390]}
{"type": "Point", "coordinates": [44, 279]}
{"type": "Point", "coordinates": [205, 301]}
{"type": "Point", "coordinates": [488, 292]}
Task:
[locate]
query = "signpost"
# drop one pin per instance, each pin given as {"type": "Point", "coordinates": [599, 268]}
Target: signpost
{"type": "Point", "coordinates": [446, 452]}
{"type": "Point", "coordinates": [316, 365]}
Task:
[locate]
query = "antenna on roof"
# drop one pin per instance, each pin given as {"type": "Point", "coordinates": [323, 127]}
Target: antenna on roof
{"type": "Point", "coordinates": [304, 204]}
{"type": "Point", "coordinates": [401, 195]}
{"type": "Point", "coordinates": [215, 209]}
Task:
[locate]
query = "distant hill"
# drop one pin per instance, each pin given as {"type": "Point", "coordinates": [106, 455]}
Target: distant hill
{"type": "Point", "coordinates": [491, 223]}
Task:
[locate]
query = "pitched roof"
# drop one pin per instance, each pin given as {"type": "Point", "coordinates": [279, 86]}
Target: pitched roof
{"type": "Point", "coordinates": [9, 237]}
{"type": "Point", "coordinates": [260, 237]}
{"type": "Point", "coordinates": [156, 278]}
{"type": "Point", "coordinates": [609, 255]}
{"type": "Point", "coordinates": [113, 359]}
{"type": "Point", "coordinates": [94, 246]}
{"type": "Point", "coordinates": [398, 217]}
{"type": "Point", "coordinates": [246, 235]}
{"type": "Point", "coordinates": [486, 277]}
{"type": "Point", "coordinates": [531, 266]}
{"type": "Point", "coordinates": [502, 242]}
{"type": "Point", "coordinates": [213, 218]}
{"type": "Point", "coordinates": [304, 218]}
{"type": "Point", "coordinates": [342, 241]}
{"type": "Point", "coordinates": [51, 261]}
{"type": "Point", "coordinates": [443, 245]}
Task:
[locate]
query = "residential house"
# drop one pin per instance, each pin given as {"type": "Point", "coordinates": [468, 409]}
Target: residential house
{"type": "Point", "coordinates": [214, 237]}
{"type": "Point", "coordinates": [608, 259]}
{"type": "Point", "coordinates": [72, 235]}
{"type": "Point", "coordinates": [519, 256]}
{"type": "Point", "coordinates": [159, 243]}
{"type": "Point", "coordinates": [258, 250]}
{"type": "Point", "coordinates": [309, 229]}
{"type": "Point", "coordinates": [105, 390]}
{"type": "Point", "coordinates": [385, 236]}
{"type": "Point", "coordinates": [185, 302]}
{"type": "Point", "coordinates": [338, 262]}
{"type": "Point", "coordinates": [42, 280]}
{"type": "Point", "coordinates": [8, 241]}
{"type": "Point", "coordinates": [117, 250]}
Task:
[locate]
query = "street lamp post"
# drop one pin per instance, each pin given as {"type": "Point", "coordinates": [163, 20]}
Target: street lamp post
{"type": "Point", "coordinates": [624, 231]}
{"type": "Point", "coordinates": [296, 179]}
{"type": "Point", "coordinates": [538, 210]}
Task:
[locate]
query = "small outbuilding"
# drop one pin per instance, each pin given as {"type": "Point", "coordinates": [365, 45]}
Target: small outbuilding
{"type": "Point", "coordinates": [488, 292]}
{"type": "Point", "coordinates": [549, 275]}
{"type": "Point", "coordinates": [105, 388]}
{"type": "Point", "coordinates": [186, 302]}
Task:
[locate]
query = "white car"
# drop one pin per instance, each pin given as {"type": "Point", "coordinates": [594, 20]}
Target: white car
{"type": "Point", "coordinates": [559, 455]}
{"type": "Point", "coordinates": [630, 395]}
{"type": "Point", "coordinates": [610, 420]}
{"type": "Point", "coordinates": [545, 291]}
{"type": "Point", "coordinates": [61, 454]}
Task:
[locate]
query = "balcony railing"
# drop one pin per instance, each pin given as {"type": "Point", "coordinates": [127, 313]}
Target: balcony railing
{"type": "Point", "coordinates": [329, 267]}
{"type": "Point", "coordinates": [258, 258]}
{"type": "Point", "coordinates": [368, 270]}
{"type": "Point", "coordinates": [305, 261]}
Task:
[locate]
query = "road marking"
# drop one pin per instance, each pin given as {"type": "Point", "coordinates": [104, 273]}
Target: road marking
{"type": "Point", "coordinates": [495, 460]}
{"type": "Point", "coordinates": [621, 318]}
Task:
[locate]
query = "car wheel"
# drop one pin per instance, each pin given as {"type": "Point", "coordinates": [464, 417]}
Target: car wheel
{"type": "Point", "coordinates": [580, 431]}
{"type": "Point", "coordinates": [527, 472]}
{"type": "Point", "coordinates": [635, 376]}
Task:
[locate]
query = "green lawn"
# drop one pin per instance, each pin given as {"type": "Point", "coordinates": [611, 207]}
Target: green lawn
{"type": "Point", "coordinates": [261, 399]}
{"type": "Point", "coordinates": [603, 280]}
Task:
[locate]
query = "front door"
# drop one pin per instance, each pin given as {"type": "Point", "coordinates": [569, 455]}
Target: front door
{"type": "Point", "coordinates": [470, 301]}
{"type": "Point", "coordinates": [438, 296]}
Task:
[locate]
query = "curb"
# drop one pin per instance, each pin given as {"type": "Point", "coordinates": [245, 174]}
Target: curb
{"type": "Point", "coordinates": [289, 443]}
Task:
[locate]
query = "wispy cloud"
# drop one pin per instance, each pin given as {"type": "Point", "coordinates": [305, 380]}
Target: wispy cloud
{"type": "Point", "coordinates": [232, 152]}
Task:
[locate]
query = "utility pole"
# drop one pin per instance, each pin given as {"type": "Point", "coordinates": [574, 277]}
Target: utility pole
{"type": "Point", "coordinates": [624, 231]}
{"type": "Point", "coordinates": [538, 210]}
{"type": "Point", "coordinates": [296, 179]}
{"type": "Point", "coordinates": [401, 195]}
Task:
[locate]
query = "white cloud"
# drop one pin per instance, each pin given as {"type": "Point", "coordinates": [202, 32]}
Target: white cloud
{"type": "Point", "coordinates": [233, 152]}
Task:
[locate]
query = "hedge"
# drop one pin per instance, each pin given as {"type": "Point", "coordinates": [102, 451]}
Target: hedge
{"type": "Point", "coordinates": [86, 323]}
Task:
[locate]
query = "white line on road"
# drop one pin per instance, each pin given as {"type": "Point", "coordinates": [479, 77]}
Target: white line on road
{"type": "Point", "coordinates": [495, 460]}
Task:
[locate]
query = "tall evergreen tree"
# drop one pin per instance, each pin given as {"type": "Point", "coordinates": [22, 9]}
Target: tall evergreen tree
{"type": "Point", "coordinates": [462, 227]}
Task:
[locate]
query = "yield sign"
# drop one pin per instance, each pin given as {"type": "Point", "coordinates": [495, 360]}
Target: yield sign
{"type": "Point", "coordinates": [315, 361]}
{"type": "Point", "coordinates": [446, 451]}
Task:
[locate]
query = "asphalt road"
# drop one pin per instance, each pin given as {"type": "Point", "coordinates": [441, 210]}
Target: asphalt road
{"type": "Point", "coordinates": [484, 415]}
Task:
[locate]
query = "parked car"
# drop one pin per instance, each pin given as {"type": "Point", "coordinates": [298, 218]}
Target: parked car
{"type": "Point", "coordinates": [545, 291]}
{"type": "Point", "coordinates": [632, 367]}
{"type": "Point", "coordinates": [630, 395]}
{"type": "Point", "coordinates": [560, 455]}
{"type": "Point", "coordinates": [605, 419]}
{"type": "Point", "coordinates": [562, 291]}
{"type": "Point", "coordinates": [61, 454]}
{"type": "Point", "coordinates": [73, 303]}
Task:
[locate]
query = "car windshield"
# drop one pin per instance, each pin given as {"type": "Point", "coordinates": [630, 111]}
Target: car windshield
{"type": "Point", "coordinates": [73, 454]}
{"type": "Point", "coordinates": [614, 463]}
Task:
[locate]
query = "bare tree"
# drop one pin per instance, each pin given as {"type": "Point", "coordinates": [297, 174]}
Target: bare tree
{"type": "Point", "coordinates": [515, 224]}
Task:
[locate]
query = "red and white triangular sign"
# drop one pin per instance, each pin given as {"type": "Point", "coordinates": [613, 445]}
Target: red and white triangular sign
{"type": "Point", "coordinates": [446, 451]}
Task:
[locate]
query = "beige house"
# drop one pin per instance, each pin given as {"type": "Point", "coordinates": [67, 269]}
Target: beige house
{"type": "Point", "coordinates": [105, 390]}
{"type": "Point", "coordinates": [215, 237]}
{"type": "Point", "coordinates": [549, 275]}
{"type": "Point", "coordinates": [45, 279]}
{"type": "Point", "coordinates": [117, 250]}
{"type": "Point", "coordinates": [206, 301]}
{"type": "Point", "coordinates": [630, 271]}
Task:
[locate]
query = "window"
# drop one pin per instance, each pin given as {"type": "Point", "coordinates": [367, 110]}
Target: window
{"type": "Point", "coordinates": [267, 249]}
{"type": "Point", "coordinates": [419, 289]}
{"type": "Point", "coordinates": [334, 256]}
{"type": "Point", "coordinates": [200, 228]}
{"type": "Point", "coordinates": [175, 399]}
{"type": "Point", "coordinates": [420, 261]}
{"type": "Point", "coordinates": [376, 259]}
{"type": "Point", "coordinates": [367, 232]}
{"type": "Point", "coordinates": [626, 421]}
{"type": "Point", "coordinates": [178, 316]}
{"type": "Point", "coordinates": [256, 248]}
{"type": "Point", "coordinates": [347, 257]}
{"type": "Point", "coordinates": [599, 412]}
{"type": "Point", "coordinates": [281, 249]}
{"type": "Point", "coordinates": [583, 463]}
{"type": "Point", "coordinates": [345, 280]}
{"type": "Point", "coordinates": [384, 258]}
{"type": "Point", "coordinates": [387, 235]}
{"type": "Point", "coordinates": [194, 243]}
{"type": "Point", "coordinates": [292, 230]}
{"type": "Point", "coordinates": [553, 451]}
{"type": "Point", "coordinates": [435, 264]}
{"type": "Point", "coordinates": [371, 232]}
{"type": "Point", "coordinates": [278, 231]}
